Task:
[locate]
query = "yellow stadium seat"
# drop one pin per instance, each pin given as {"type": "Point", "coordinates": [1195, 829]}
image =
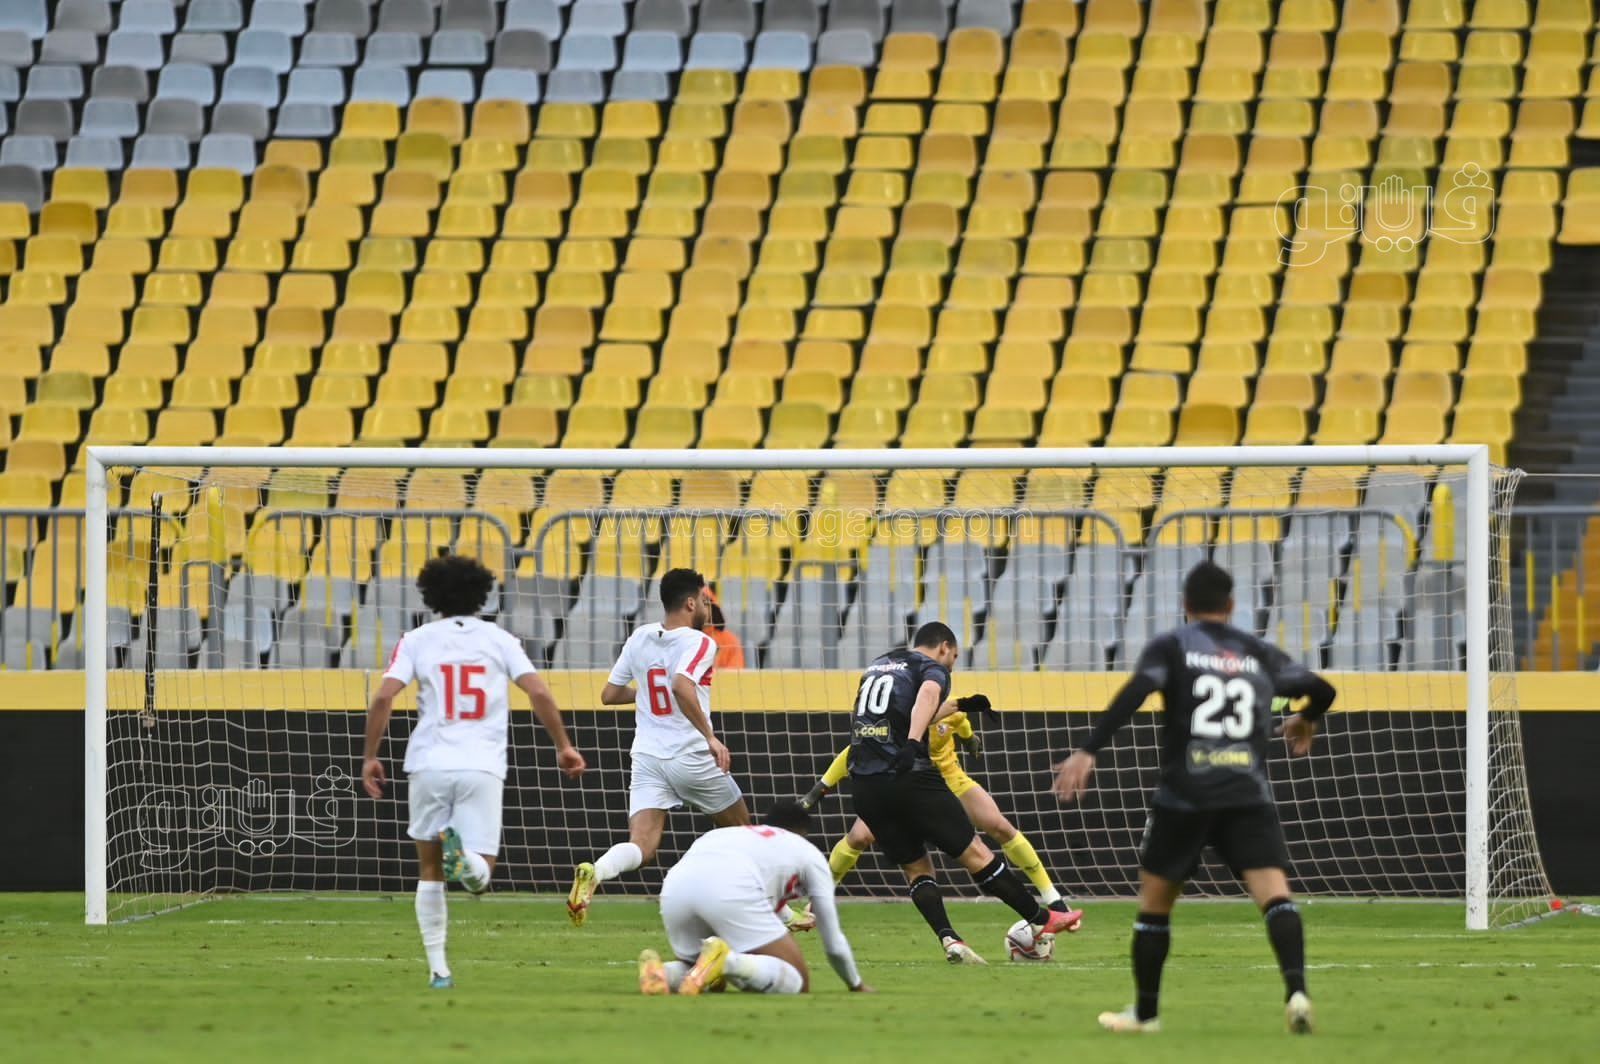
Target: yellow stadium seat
{"type": "Point", "coordinates": [730, 426]}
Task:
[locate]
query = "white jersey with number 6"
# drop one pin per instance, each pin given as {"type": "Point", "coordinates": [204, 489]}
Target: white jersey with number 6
{"type": "Point", "coordinates": [462, 666]}
{"type": "Point", "coordinates": [652, 656]}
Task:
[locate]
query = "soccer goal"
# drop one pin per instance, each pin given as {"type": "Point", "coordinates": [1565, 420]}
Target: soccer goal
{"type": "Point", "coordinates": [240, 604]}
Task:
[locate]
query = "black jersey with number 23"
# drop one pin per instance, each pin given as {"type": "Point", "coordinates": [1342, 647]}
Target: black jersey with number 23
{"type": "Point", "coordinates": [884, 701]}
{"type": "Point", "coordinates": [1217, 684]}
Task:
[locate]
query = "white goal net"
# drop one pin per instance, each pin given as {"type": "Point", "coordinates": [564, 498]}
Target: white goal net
{"type": "Point", "coordinates": [249, 607]}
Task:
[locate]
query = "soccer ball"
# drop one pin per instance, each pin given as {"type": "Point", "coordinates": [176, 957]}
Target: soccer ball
{"type": "Point", "coordinates": [1023, 945]}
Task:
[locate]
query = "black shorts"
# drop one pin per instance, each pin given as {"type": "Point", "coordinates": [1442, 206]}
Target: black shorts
{"type": "Point", "coordinates": [1245, 838]}
{"type": "Point", "coordinates": [909, 813]}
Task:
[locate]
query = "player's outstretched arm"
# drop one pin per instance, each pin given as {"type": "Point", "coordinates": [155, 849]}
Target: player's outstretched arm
{"type": "Point", "coordinates": [616, 694]}
{"type": "Point", "coordinates": [1300, 729]}
{"type": "Point", "coordinates": [379, 710]}
{"type": "Point", "coordinates": [1072, 775]}
{"type": "Point", "coordinates": [819, 886]}
{"type": "Point", "coordinates": [568, 759]}
{"type": "Point", "coordinates": [688, 699]}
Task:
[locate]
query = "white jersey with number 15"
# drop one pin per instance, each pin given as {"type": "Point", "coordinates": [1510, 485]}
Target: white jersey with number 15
{"type": "Point", "coordinates": [463, 667]}
{"type": "Point", "coordinates": [652, 656]}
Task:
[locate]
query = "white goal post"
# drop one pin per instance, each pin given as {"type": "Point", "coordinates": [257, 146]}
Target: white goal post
{"type": "Point", "coordinates": [1487, 690]}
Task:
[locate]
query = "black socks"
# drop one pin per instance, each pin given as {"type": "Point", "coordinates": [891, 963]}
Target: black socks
{"type": "Point", "coordinates": [1288, 942]}
{"type": "Point", "coordinates": [1152, 937]}
{"type": "Point", "coordinates": [929, 901]}
{"type": "Point", "coordinates": [998, 881]}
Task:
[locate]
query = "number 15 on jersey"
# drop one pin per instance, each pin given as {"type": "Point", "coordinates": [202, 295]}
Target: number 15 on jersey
{"type": "Point", "coordinates": [460, 685]}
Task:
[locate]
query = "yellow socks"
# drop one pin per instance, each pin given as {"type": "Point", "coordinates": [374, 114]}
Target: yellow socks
{"type": "Point", "coordinates": [1020, 852]}
{"type": "Point", "coordinates": [843, 859]}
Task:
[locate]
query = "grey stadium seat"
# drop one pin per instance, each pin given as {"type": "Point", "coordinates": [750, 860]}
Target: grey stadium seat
{"type": "Point", "coordinates": [663, 16]}
{"type": "Point", "coordinates": [206, 49]}
{"type": "Point", "coordinates": [541, 15]}
{"type": "Point", "coordinates": [265, 48]}
{"type": "Point", "coordinates": [791, 16]}
{"type": "Point", "coordinates": [652, 51]}
{"type": "Point", "coordinates": [305, 640]}
{"type": "Point", "coordinates": [846, 48]}
{"type": "Point", "coordinates": [575, 86]}
{"type": "Point", "coordinates": [70, 46]}
{"type": "Point", "coordinates": [716, 51]}
{"type": "Point", "coordinates": [587, 52]}
{"type": "Point", "coordinates": [598, 16]}
{"type": "Point", "coordinates": [342, 16]}
{"type": "Point", "coordinates": [315, 85]}
{"type": "Point", "coordinates": [920, 16]}
{"type": "Point", "coordinates": [729, 16]}
{"type": "Point", "coordinates": [157, 16]}
{"type": "Point", "coordinates": [214, 16]}
{"type": "Point", "coordinates": [120, 83]}
{"type": "Point", "coordinates": [305, 119]}
{"type": "Point", "coordinates": [10, 84]}
{"type": "Point", "coordinates": [45, 118]}
{"type": "Point", "coordinates": [506, 84]}
{"type": "Point", "coordinates": [160, 152]}
{"type": "Point", "coordinates": [187, 81]}
{"type": "Point", "coordinates": [25, 16]}
{"type": "Point", "coordinates": [1022, 601]}
{"type": "Point", "coordinates": [243, 117]}
{"type": "Point", "coordinates": [406, 16]}
{"type": "Point", "coordinates": [176, 118]}
{"type": "Point", "coordinates": [26, 637]}
{"type": "Point", "coordinates": [285, 16]}
{"type": "Point", "coordinates": [38, 153]}
{"type": "Point", "coordinates": [91, 15]}
{"type": "Point", "coordinates": [16, 50]}
{"type": "Point", "coordinates": [95, 153]}
{"type": "Point", "coordinates": [110, 118]}
{"type": "Point", "coordinates": [985, 14]}
{"type": "Point", "coordinates": [448, 85]}
{"type": "Point", "coordinates": [524, 50]}
{"type": "Point", "coordinates": [21, 184]}
{"type": "Point", "coordinates": [135, 48]}
{"type": "Point", "coordinates": [382, 84]}
{"type": "Point", "coordinates": [866, 15]}
{"type": "Point", "coordinates": [393, 49]}
{"type": "Point", "coordinates": [478, 16]}
{"type": "Point", "coordinates": [640, 85]}
{"type": "Point", "coordinates": [248, 84]}
{"type": "Point", "coordinates": [328, 50]}
{"type": "Point", "coordinates": [781, 51]}
{"type": "Point", "coordinates": [458, 48]}
{"type": "Point", "coordinates": [54, 83]}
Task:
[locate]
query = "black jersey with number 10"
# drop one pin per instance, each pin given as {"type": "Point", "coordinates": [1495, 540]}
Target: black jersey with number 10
{"type": "Point", "coordinates": [1217, 684]}
{"type": "Point", "coordinates": [881, 716]}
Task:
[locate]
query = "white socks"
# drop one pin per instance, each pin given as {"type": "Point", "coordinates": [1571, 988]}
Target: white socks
{"type": "Point", "coordinates": [760, 974]}
{"type": "Point", "coordinates": [476, 878]}
{"type": "Point", "coordinates": [623, 857]}
{"type": "Point", "coordinates": [431, 921]}
{"type": "Point", "coordinates": [1049, 896]}
{"type": "Point", "coordinates": [675, 970]}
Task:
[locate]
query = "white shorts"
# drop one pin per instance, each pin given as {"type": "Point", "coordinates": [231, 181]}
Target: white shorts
{"type": "Point", "coordinates": [464, 799]}
{"type": "Point", "coordinates": [689, 779]}
{"type": "Point", "coordinates": [701, 898]}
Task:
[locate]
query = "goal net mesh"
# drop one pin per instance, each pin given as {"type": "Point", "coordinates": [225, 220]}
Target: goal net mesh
{"type": "Point", "coordinates": [251, 611]}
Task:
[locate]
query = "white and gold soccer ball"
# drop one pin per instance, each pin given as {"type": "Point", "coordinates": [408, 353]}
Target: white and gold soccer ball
{"type": "Point", "coordinates": [1023, 945]}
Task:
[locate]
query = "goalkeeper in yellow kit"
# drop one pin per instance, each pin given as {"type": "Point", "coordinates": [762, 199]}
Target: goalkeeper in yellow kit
{"type": "Point", "coordinates": [944, 738]}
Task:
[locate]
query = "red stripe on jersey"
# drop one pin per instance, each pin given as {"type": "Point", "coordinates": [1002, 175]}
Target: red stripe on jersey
{"type": "Point", "coordinates": [393, 656]}
{"type": "Point", "coordinates": [704, 647]}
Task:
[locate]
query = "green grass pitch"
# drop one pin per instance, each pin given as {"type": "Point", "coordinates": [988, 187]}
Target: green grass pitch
{"type": "Point", "coordinates": [250, 979]}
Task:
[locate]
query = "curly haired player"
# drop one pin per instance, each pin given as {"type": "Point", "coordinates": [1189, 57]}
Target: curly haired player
{"type": "Point", "coordinates": [456, 756]}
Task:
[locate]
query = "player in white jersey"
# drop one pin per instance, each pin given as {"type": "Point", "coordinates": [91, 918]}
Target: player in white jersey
{"type": "Point", "coordinates": [719, 907]}
{"type": "Point", "coordinates": [456, 756]}
{"type": "Point", "coordinates": [677, 758]}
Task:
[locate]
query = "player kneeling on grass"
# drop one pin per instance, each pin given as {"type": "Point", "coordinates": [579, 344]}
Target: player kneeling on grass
{"type": "Point", "coordinates": [456, 756]}
{"type": "Point", "coordinates": [719, 905]}
{"type": "Point", "coordinates": [943, 739]}
{"type": "Point", "coordinates": [1217, 687]}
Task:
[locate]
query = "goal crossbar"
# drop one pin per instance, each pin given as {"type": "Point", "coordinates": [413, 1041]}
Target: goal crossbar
{"type": "Point", "coordinates": [1476, 505]}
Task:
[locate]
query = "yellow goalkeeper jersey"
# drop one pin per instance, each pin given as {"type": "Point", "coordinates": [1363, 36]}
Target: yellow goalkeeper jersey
{"type": "Point", "coordinates": [942, 743]}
